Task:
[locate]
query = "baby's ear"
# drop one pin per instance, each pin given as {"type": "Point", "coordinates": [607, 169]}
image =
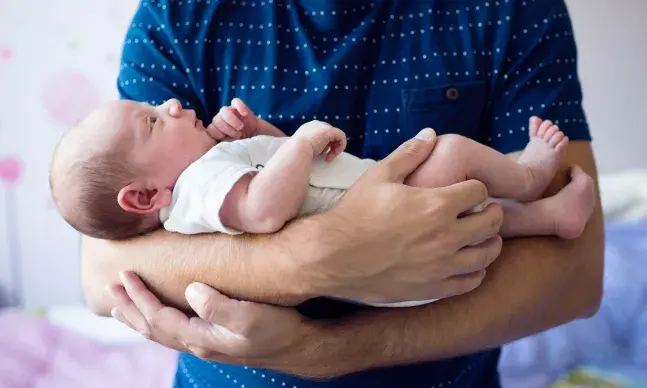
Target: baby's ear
{"type": "Point", "coordinates": [137, 198]}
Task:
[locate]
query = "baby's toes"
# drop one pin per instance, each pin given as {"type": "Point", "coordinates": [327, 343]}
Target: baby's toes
{"type": "Point", "coordinates": [550, 132]}
{"type": "Point", "coordinates": [534, 124]}
{"type": "Point", "coordinates": [543, 128]}
{"type": "Point", "coordinates": [555, 139]}
{"type": "Point", "coordinates": [562, 144]}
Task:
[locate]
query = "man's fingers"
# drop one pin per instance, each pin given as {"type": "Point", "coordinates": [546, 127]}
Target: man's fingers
{"type": "Point", "coordinates": [478, 227]}
{"type": "Point", "coordinates": [404, 160]}
{"type": "Point", "coordinates": [211, 305]}
{"type": "Point", "coordinates": [464, 196]}
{"type": "Point", "coordinates": [170, 327]}
{"type": "Point", "coordinates": [128, 312]}
{"type": "Point", "coordinates": [146, 302]}
{"type": "Point", "coordinates": [461, 284]}
{"type": "Point", "coordinates": [476, 258]}
{"type": "Point", "coordinates": [118, 315]}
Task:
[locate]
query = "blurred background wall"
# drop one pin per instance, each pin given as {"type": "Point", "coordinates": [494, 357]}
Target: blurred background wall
{"type": "Point", "coordinates": [57, 64]}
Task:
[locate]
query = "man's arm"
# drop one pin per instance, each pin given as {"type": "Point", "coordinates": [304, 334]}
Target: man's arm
{"type": "Point", "coordinates": [169, 262]}
{"type": "Point", "coordinates": [535, 284]}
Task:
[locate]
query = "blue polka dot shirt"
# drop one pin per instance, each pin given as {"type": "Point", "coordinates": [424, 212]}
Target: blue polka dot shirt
{"type": "Point", "coordinates": [380, 70]}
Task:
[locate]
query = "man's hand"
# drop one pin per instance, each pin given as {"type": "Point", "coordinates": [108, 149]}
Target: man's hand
{"type": "Point", "coordinates": [407, 243]}
{"type": "Point", "coordinates": [225, 330]}
{"type": "Point", "coordinates": [234, 122]}
{"type": "Point", "coordinates": [323, 138]}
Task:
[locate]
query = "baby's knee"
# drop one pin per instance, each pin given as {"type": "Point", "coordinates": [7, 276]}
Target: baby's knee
{"type": "Point", "coordinates": [452, 147]}
{"type": "Point", "coordinates": [446, 164]}
{"type": "Point", "coordinates": [452, 143]}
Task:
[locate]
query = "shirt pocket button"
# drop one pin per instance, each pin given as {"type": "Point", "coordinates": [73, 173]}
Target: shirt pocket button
{"type": "Point", "coordinates": [452, 94]}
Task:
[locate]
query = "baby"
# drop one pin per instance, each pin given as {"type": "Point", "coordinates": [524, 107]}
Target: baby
{"type": "Point", "coordinates": [129, 168]}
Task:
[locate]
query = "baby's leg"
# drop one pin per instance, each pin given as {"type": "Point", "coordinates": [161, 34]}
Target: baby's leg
{"type": "Point", "coordinates": [565, 214]}
{"type": "Point", "coordinates": [456, 158]}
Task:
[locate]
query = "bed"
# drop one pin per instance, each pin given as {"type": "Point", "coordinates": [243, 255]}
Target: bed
{"type": "Point", "coordinates": [67, 346]}
{"type": "Point", "coordinates": [610, 349]}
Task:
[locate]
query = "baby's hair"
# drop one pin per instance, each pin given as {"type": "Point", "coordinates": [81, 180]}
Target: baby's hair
{"type": "Point", "coordinates": [85, 193]}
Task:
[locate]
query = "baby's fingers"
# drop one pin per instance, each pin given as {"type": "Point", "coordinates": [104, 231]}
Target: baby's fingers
{"type": "Point", "coordinates": [221, 125]}
{"type": "Point", "coordinates": [215, 133]}
{"type": "Point", "coordinates": [241, 107]}
{"type": "Point", "coordinates": [336, 147]}
{"type": "Point", "coordinates": [228, 115]}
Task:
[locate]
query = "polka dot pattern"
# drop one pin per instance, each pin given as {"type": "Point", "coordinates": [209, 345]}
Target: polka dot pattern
{"type": "Point", "coordinates": [381, 71]}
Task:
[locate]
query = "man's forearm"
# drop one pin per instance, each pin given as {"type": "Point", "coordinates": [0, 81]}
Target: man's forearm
{"type": "Point", "coordinates": [535, 284]}
{"type": "Point", "coordinates": [257, 268]}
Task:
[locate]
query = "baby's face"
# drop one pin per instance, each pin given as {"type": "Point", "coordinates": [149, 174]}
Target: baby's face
{"type": "Point", "coordinates": [160, 144]}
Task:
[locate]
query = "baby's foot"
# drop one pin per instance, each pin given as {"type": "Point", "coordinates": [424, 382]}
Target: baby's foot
{"type": "Point", "coordinates": [572, 207]}
{"type": "Point", "coordinates": [542, 156]}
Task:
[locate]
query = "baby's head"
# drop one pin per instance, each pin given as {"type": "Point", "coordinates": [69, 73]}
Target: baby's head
{"type": "Point", "coordinates": [112, 173]}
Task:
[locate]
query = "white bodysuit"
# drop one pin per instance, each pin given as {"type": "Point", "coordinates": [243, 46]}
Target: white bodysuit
{"type": "Point", "coordinates": [200, 191]}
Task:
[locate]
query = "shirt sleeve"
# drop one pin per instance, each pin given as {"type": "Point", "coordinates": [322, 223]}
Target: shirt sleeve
{"type": "Point", "coordinates": [200, 191]}
{"type": "Point", "coordinates": [151, 65]}
{"type": "Point", "coordinates": [538, 76]}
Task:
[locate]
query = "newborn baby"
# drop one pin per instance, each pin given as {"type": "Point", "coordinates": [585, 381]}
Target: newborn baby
{"type": "Point", "coordinates": [129, 168]}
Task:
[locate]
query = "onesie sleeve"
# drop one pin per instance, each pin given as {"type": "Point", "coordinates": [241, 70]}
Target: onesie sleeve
{"type": "Point", "coordinates": [200, 191]}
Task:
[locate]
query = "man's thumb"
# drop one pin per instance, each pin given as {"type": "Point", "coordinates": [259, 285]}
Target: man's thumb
{"type": "Point", "coordinates": [405, 159]}
{"type": "Point", "coordinates": [209, 304]}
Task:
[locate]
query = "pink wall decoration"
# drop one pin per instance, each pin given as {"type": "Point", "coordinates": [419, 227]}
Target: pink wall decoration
{"type": "Point", "coordinates": [6, 53]}
{"type": "Point", "coordinates": [10, 170]}
{"type": "Point", "coordinates": [68, 96]}
{"type": "Point", "coordinates": [10, 174]}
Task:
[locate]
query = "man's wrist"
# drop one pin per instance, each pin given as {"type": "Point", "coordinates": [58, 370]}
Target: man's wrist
{"type": "Point", "coordinates": [333, 348]}
{"type": "Point", "coordinates": [308, 251]}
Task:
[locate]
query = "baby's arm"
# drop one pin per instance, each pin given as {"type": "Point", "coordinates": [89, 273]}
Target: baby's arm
{"type": "Point", "coordinates": [265, 128]}
{"type": "Point", "coordinates": [264, 202]}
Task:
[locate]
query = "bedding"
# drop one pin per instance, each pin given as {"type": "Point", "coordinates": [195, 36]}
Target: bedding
{"type": "Point", "coordinates": [38, 353]}
{"type": "Point", "coordinates": [610, 346]}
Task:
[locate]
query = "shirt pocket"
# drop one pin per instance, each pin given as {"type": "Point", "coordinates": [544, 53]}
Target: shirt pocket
{"type": "Point", "coordinates": [450, 108]}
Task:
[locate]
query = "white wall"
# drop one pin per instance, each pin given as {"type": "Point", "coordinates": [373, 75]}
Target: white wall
{"type": "Point", "coordinates": [612, 42]}
{"type": "Point", "coordinates": [55, 65]}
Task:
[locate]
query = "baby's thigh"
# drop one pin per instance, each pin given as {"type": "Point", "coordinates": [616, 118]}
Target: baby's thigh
{"type": "Point", "coordinates": [448, 163]}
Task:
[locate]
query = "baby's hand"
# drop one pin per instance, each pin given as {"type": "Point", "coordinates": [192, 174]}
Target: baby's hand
{"type": "Point", "coordinates": [323, 137]}
{"type": "Point", "coordinates": [234, 122]}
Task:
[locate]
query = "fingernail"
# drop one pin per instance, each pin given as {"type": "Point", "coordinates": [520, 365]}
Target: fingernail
{"type": "Point", "coordinates": [425, 134]}
{"type": "Point", "coordinates": [122, 277]}
{"type": "Point", "coordinates": [194, 292]}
